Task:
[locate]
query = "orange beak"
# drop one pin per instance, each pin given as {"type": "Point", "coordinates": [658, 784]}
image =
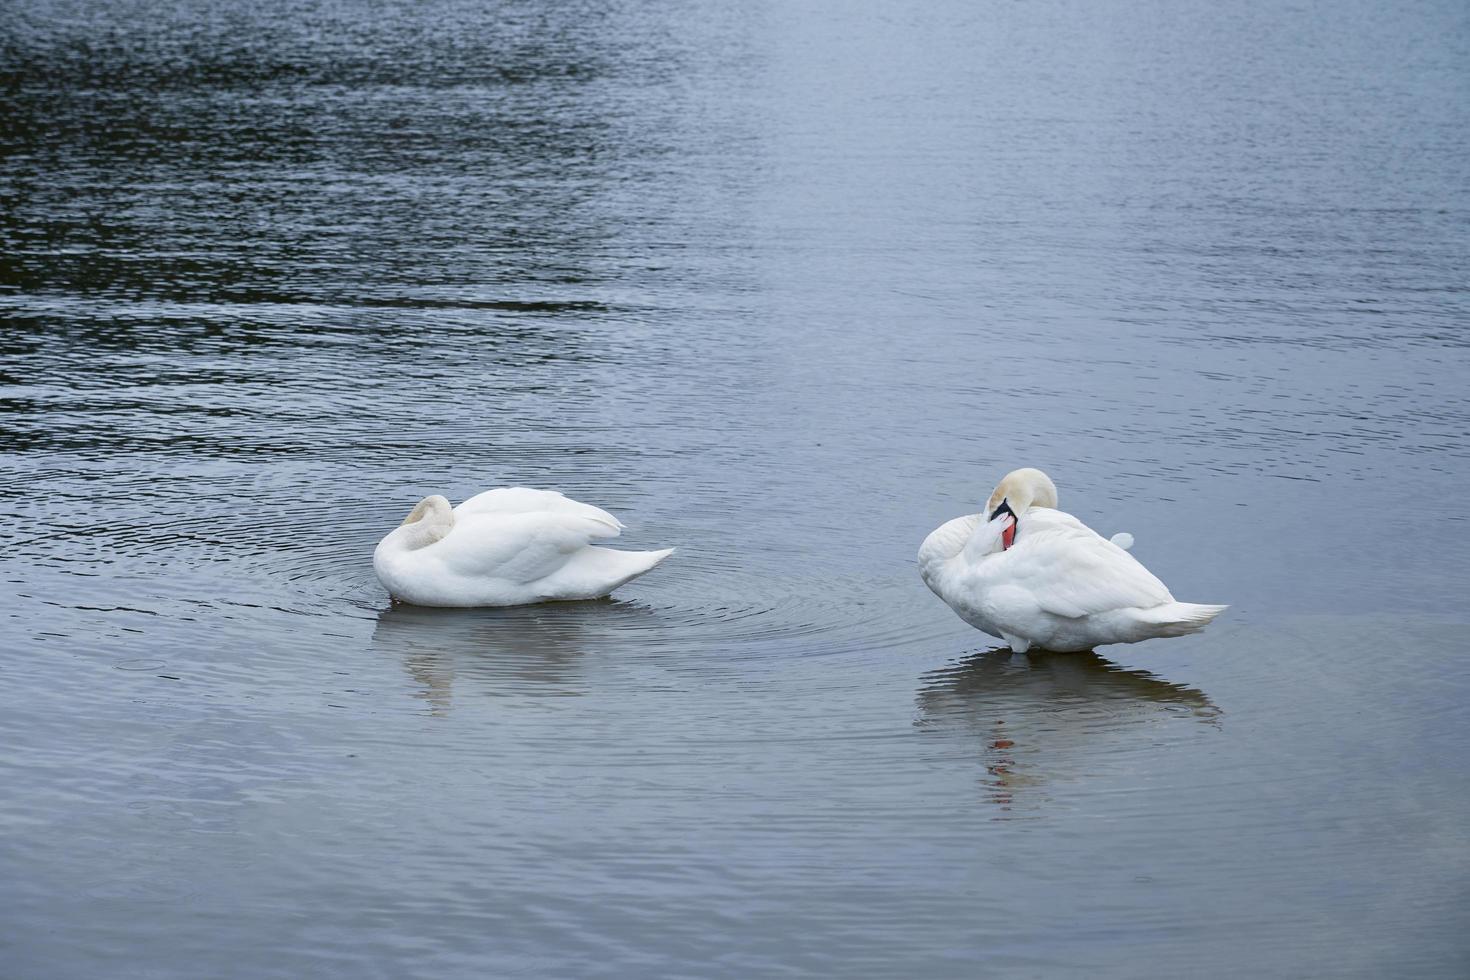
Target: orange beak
{"type": "Point", "coordinates": [1008, 536]}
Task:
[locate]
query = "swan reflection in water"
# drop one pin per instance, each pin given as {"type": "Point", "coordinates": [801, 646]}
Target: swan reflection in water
{"type": "Point", "coordinates": [533, 650]}
{"type": "Point", "coordinates": [1046, 717]}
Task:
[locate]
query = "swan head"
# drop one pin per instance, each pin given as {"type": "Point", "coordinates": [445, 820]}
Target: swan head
{"type": "Point", "coordinates": [1018, 492]}
{"type": "Point", "coordinates": [430, 520]}
{"type": "Point", "coordinates": [433, 508]}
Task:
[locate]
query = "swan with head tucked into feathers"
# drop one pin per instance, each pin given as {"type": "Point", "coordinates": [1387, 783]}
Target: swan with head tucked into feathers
{"type": "Point", "coordinates": [505, 547]}
{"type": "Point", "coordinates": [1037, 577]}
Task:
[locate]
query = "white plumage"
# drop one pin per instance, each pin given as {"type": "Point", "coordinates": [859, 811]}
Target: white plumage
{"type": "Point", "coordinates": [505, 547]}
{"type": "Point", "coordinates": [1035, 576]}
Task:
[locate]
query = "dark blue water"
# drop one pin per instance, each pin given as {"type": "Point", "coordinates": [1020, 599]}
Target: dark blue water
{"type": "Point", "coordinates": [786, 286]}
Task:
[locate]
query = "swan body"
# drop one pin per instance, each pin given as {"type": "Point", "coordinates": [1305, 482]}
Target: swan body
{"type": "Point", "coordinates": [1033, 575]}
{"type": "Point", "coordinates": [505, 547]}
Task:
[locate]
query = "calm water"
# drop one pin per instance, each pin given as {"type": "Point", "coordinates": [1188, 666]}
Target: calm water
{"type": "Point", "coordinates": [786, 286]}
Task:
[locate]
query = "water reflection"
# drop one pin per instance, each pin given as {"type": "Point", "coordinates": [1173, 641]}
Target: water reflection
{"type": "Point", "coordinates": [1044, 717]}
{"type": "Point", "coordinates": [528, 650]}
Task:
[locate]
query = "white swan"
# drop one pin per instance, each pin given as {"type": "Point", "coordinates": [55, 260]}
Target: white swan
{"type": "Point", "coordinates": [1035, 576]}
{"type": "Point", "coordinates": [505, 547]}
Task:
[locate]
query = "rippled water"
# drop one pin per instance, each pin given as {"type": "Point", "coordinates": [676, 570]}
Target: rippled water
{"type": "Point", "coordinates": [784, 286]}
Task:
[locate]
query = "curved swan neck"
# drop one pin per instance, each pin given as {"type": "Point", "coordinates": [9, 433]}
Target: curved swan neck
{"type": "Point", "coordinates": [948, 540]}
{"type": "Point", "coordinates": [429, 521]}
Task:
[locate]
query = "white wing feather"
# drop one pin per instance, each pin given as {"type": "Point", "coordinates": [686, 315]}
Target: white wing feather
{"type": "Point", "coordinates": [1071, 571]}
{"type": "Point", "coordinates": [517, 547]}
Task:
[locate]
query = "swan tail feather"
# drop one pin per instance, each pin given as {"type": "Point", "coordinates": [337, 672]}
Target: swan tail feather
{"type": "Point", "coordinates": [631, 564]}
{"type": "Point", "coordinates": [595, 572]}
{"type": "Point", "coordinates": [1123, 540]}
{"type": "Point", "coordinates": [1181, 618]}
{"type": "Point", "coordinates": [648, 559]}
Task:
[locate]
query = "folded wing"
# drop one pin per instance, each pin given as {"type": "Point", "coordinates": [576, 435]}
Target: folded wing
{"type": "Point", "coordinates": [1071, 571]}
{"type": "Point", "coordinates": [518, 547]}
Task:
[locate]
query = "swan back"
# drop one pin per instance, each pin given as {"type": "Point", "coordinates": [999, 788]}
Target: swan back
{"type": "Point", "coordinates": [525, 500]}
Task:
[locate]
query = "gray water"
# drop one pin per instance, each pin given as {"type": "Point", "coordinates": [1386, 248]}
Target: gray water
{"type": "Point", "coordinates": [786, 286]}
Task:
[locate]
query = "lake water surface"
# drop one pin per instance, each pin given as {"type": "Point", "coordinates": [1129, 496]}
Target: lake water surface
{"type": "Point", "coordinates": [787, 286]}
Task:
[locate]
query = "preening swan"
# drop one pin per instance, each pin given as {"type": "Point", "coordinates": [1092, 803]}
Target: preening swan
{"type": "Point", "coordinates": [505, 547]}
{"type": "Point", "coordinates": [1035, 576]}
